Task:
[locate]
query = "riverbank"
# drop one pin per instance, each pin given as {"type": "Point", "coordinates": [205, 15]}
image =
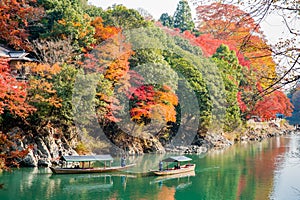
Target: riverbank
{"type": "Point", "coordinates": [256, 170]}
{"type": "Point", "coordinates": [254, 131]}
{"type": "Point", "coordinates": [45, 150]}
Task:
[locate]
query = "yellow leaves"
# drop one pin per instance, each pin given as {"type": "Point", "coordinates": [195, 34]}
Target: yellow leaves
{"type": "Point", "coordinates": [41, 86]}
{"type": "Point", "coordinates": [166, 100]}
{"type": "Point", "coordinates": [62, 22]}
{"type": "Point", "coordinates": [44, 70]}
{"type": "Point", "coordinates": [161, 107]}
{"type": "Point", "coordinates": [163, 112]}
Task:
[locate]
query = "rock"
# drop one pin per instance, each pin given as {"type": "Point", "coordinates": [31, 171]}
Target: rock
{"type": "Point", "coordinates": [52, 146]}
{"type": "Point", "coordinates": [29, 160]}
{"type": "Point", "coordinates": [42, 147]}
{"type": "Point", "coordinates": [44, 163]}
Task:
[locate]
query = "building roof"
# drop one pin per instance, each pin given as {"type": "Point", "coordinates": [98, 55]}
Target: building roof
{"type": "Point", "coordinates": [177, 159]}
{"type": "Point", "coordinates": [15, 55]}
{"type": "Point", "coordinates": [87, 158]}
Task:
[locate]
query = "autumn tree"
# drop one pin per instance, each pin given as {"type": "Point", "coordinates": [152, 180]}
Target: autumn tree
{"type": "Point", "coordinates": [67, 19]}
{"type": "Point", "coordinates": [229, 23]}
{"type": "Point", "coordinates": [41, 92]}
{"type": "Point", "coordinates": [153, 103]}
{"type": "Point", "coordinates": [102, 32]}
{"type": "Point", "coordinates": [13, 93]}
{"type": "Point", "coordinates": [109, 60]}
{"type": "Point", "coordinates": [272, 104]}
{"type": "Point", "coordinates": [10, 156]}
{"type": "Point", "coordinates": [15, 20]}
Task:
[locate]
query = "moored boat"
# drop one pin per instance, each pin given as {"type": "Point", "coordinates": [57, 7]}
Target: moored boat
{"type": "Point", "coordinates": [85, 165]}
{"type": "Point", "coordinates": [177, 168]}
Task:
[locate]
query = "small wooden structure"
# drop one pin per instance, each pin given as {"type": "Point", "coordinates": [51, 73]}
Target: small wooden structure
{"type": "Point", "coordinates": [86, 165]}
{"type": "Point", "coordinates": [177, 168]}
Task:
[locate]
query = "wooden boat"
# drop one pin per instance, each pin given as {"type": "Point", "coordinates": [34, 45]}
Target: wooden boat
{"type": "Point", "coordinates": [173, 176]}
{"type": "Point", "coordinates": [177, 168]}
{"type": "Point", "coordinates": [83, 168]}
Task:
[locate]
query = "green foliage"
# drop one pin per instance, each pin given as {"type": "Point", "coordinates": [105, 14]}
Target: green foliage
{"type": "Point", "coordinates": [93, 11]}
{"type": "Point", "coordinates": [64, 85]}
{"type": "Point", "coordinates": [186, 45]}
{"type": "Point", "coordinates": [83, 98]}
{"type": "Point", "coordinates": [120, 16]}
{"type": "Point", "coordinates": [166, 20]}
{"type": "Point", "coordinates": [67, 19]}
{"type": "Point", "coordinates": [183, 17]}
{"type": "Point", "coordinates": [82, 149]}
{"type": "Point", "coordinates": [194, 75]}
{"type": "Point", "coordinates": [230, 70]}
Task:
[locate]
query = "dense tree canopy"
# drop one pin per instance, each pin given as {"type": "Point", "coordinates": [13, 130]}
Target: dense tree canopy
{"type": "Point", "coordinates": [15, 20]}
{"type": "Point", "coordinates": [117, 64]}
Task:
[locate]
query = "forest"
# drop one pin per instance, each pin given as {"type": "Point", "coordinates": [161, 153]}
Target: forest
{"type": "Point", "coordinates": [123, 72]}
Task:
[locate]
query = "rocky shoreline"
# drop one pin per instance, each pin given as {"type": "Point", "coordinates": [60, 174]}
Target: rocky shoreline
{"type": "Point", "coordinates": [46, 150]}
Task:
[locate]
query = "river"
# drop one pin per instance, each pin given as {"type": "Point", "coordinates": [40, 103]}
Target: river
{"type": "Point", "coordinates": [260, 170]}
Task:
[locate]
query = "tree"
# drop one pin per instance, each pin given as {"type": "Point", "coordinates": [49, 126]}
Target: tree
{"type": "Point", "coordinates": [272, 104]}
{"type": "Point", "coordinates": [15, 18]}
{"type": "Point", "coordinates": [294, 96]}
{"type": "Point", "coordinates": [166, 20]}
{"type": "Point", "coordinates": [238, 28]}
{"type": "Point", "coordinates": [93, 11]}
{"type": "Point", "coordinates": [41, 92]}
{"type": "Point", "coordinates": [13, 93]}
{"type": "Point", "coordinates": [67, 19]}
{"type": "Point", "coordinates": [231, 71]}
{"type": "Point", "coordinates": [285, 51]}
{"type": "Point", "coordinates": [183, 17]}
{"type": "Point", "coordinates": [103, 33]}
{"type": "Point", "coordinates": [109, 62]}
{"type": "Point", "coordinates": [150, 102]}
{"type": "Point", "coordinates": [9, 154]}
{"type": "Point", "coordinates": [122, 17]}
{"type": "Point", "coordinates": [54, 51]}
{"type": "Point", "coordinates": [144, 13]}
{"type": "Point", "coordinates": [63, 84]}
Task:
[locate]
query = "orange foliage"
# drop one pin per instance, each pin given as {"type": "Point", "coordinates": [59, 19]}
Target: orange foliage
{"type": "Point", "coordinates": [14, 18]}
{"type": "Point", "coordinates": [151, 103]}
{"type": "Point", "coordinates": [41, 87]}
{"type": "Point", "coordinates": [103, 33]}
{"type": "Point", "coordinates": [269, 106]}
{"type": "Point", "coordinates": [12, 93]}
{"type": "Point", "coordinates": [233, 26]}
{"type": "Point", "coordinates": [109, 58]}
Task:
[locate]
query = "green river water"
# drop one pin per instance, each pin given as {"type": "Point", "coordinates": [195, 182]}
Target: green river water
{"type": "Point", "coordinates": [262, 170]}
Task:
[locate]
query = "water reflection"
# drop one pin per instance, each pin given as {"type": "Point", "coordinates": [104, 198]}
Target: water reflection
{"type": "Point", "coordinates": [287, 177]}
{"type": "Point", "coordinates": [264, 170]}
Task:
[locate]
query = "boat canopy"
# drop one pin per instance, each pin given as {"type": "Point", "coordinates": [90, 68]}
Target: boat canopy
{"type": "Point", "coordinates": [85, 158]}
{"type": "Point", "coordinates": [177, 159]}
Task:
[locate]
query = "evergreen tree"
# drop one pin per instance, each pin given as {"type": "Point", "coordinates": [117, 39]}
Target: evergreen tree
{"type": "Point", "coordinates": [183, 17]}
{"type": "Point", "coordinates": [166, 20]}
{"type": "Point", "coordinates": [231, 73]}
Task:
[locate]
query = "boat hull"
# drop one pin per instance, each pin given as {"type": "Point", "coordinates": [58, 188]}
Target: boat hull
{"type": "Point", "coordinates": [183, 169]}
{"type": "Point", "coordinates": [88, 170]}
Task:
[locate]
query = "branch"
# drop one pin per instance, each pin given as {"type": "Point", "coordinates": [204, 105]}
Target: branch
{"type": "Point", "coordinates": [266, 91]}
